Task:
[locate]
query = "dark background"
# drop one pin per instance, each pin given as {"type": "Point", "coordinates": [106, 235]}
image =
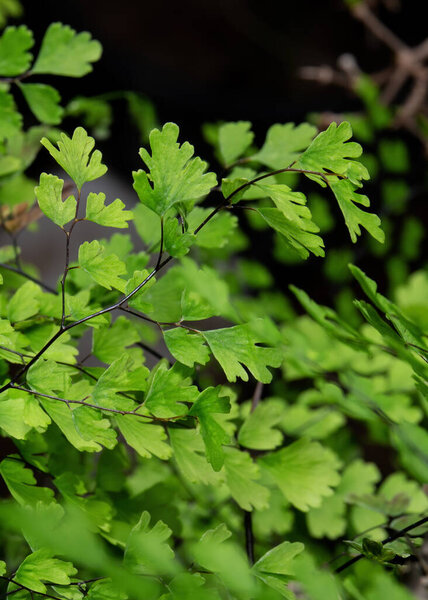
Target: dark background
{"type": "Point", "coordinates": [205, 60]}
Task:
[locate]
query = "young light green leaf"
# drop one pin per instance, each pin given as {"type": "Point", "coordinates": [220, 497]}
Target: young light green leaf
{"type": "Point", "coordinates": [63, 52]}
{"type": "Point", "coordinates": [2, 567]}
{"type": "Point", "coordinates": [304, 471]}
{"type": "Point", "coordinates": [284, 143]}
{"type": "Point", "coordinates": [176, 242]}
{"type": "Point", "coordinates": [330, 152]}
{"type": "Point", "coordinates": [14, 56]}
{"type": "Point", "coordinates": [104, 269]}
{"type": "Point", "coordinates": [217, 232]}
{"type": "Point", "coordinates": [146, 439]}
{"type": "Point", "coordinates": [91, 425]}
{"type": "Point", "coordinates": [257, 431]}
{"type": "Point", "coordinates": [49, 197]}
{"type": "Point", "coordinates": [11, 119]}
{"type": "Point", "coordinates": [303, 239]}
{"type": "Point", "coordinates": [22, 483]}
{"type": "Point", "coordinates": [278, 560]}
{"type": "Point", "coordinates": [62, 416]}
{"type": "Point", "coordinates": [111, 342]}
{"type": "Point", "coordinates": [73, 156]}
{"type": "Point", "coordinates": [111, 215]}
{"type": "Point", "coordinates": [233, 140]}
{"type": "Point", "coordinates": [138, 299]}
{"type": "Point", "coordinates": [347, 198]}
{"type": "Point", "coordinates": [236, 347]}
{"type": "Point", "coordinates": [241, 473]}
{"type": "Point", "coordinates": [39, 568]}
{"type": "Point", "coordinates": [167, 390]}
{"type": "Point", "coordinates": [187, 347]}
{"type": "Point", "coordinates": [147, 549]}
{"type": "Point", "coordinates": [12, 417]}
{"type": "Point", "coordinates": [209, 403]}
{"type": "Point", "coordinates": [175, 177]}
{"type": "Point", "coordinates": [43, 101]}
{"type": "Point", "coordinates": [25, 302]}
{"type": "Point", "coordinates": [189, 453]}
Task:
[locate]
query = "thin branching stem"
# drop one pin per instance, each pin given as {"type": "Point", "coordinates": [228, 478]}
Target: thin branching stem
{"type": "Point", "coordinates": [121, 302]}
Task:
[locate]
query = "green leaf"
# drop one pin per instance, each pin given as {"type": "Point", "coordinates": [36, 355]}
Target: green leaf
{"type": "Point", "coordinates": [257, 431]}
{"type": "Point", "coordinates": [73, 156]}
{"type": "Point", "coordinates": [279, 559]}
{"type": "Point", "coordinates": [11, 119]}
{"type": "Point", "coordinates": [14, 56]}
{"type": "Point", "coordinates": [284, 143]}
{"type": "Point", "coordinates": [189, 453]}
{"type": "Point", "coordinates": [63, 52]}
{"type": "Point", "coordinates": [147, 549]}
{"type": "Point", "coordinates": [145, 438]}
{"type": "Point", "coordinates": [235, 347]}
{"type": "Point", "coordinates": [112, 341]}
{"type": "Point", "coordinates": [48, 376]}
{"type": "Point", "coordinates": [111, 215]}
{"type": "Point", "coordinates": [206, 406]}
{"type": "Point", "coordinates": [217, 232]}
{"type": "Point", "coordinates": [138, 299]}
{"type": "Point", "coordinates": [91, 425]}
{"type": "Point", "coordinates": [233, 140]}
{"type": "Point", "coordinates": [25, 302]}
{"type": "Point", "coordinates": [49, 197]}
{"type": "Point", "coordinates": [330, 152]}
{"type": "Point", "coordinates": [22, 484]}
{"type": "Point", "coordinates": [40, 567]}
{"type": "Point", "coordinates": [176, 242]}
{"type": "Point", "coordinates": [43, 101]}
{"type": "Point", "coordinates": [167, 390]}
{"type": "Point", "coordinates": [104, 269]}
{"type": "Point", "coordinates": [3, 567]}
{"type": "Point", "coordinates": [63, 417]}
{"type": "Point", "coordinates": [241, 474]}
{"type": "Point", "coordinates": [175, 177]}
{"type": "Point", "coordinates": [304, 471]}
{"type": "Point", "coordinates": [12, 417]}
{"type": "Point", "coordinates": [187, 347]}
{"type": "Point", "coordinates": [302, 240]}
{"type": "Point", "coordinates": [347, 199]}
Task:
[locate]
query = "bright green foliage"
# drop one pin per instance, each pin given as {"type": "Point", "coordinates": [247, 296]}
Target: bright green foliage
{"type": "Point", "coordinates": [236, 347]}
{"type": "Point", "coordinates": [135, 466]}
{"type": "Point", "coordinates": [49, 197]}
{"type": "Point", "coordinates": [44, 102]}
{"type": "Point", "coordinates": [186, 347]}
{"type": "Point", "coordinates": [175, 177]}
{"type": "Point", "coordinates": [22, 483]}
{"type": "Point", "coordinates": [330, 152]}
{"type": "Point", "coordinates": [40, 567]}
{"type": "Point", "coordinates": [206, 406]}
{"type": "Point", "coordinates": [241, 477]}
{"type": "Point", "coordinates": [347, 199]}
{"type": "Point", "coordinates": [257, 431]}
{"type": "Point", "coordinates": [103, 268]}
{"type": "Point", "coordinates": [64, 52]}
{"type": "Point", "coordinates": [14, 56]}
{"type": "Point", "coordinates": [305, 472]}
{"type": "Point", "coordinates": [233, 140]}
{"type": "Point", "coordinates": [72, 155]}
{"type": "Point", "coordinates": [284, 143]}
{"type": "Point", "coordinates": [111, 215]}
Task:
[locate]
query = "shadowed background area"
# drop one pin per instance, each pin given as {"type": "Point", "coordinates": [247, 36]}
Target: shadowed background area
{"type": "Point", "coordinates": [204, 61]}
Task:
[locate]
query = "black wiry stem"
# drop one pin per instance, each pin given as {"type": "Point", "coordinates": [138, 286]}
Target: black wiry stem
{"type": "Point", "coordinates": [391, 538]}
{"type": "Point", "coordinates": [28, 276]}
{"type": "Point", "coordinates": [120, 303]}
